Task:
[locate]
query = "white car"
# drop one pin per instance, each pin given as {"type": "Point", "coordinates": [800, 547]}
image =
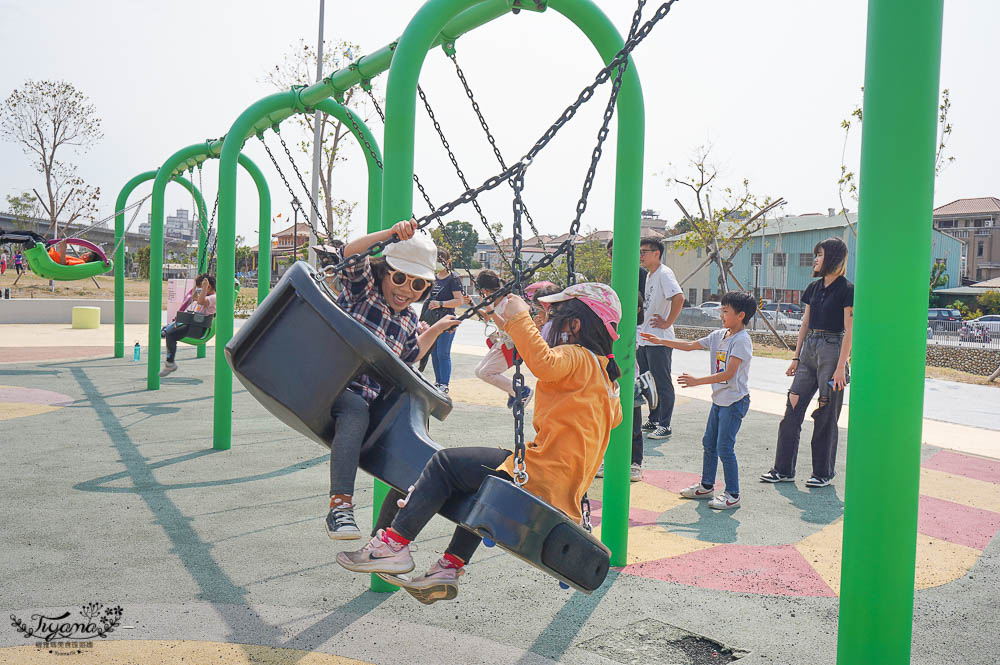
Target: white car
{"type": "Point", "coordinates": [782, 323]}
{"type": "Point", "coordinates": [711, 305]}
{"type": "Point", "coordinates": [990, 322]}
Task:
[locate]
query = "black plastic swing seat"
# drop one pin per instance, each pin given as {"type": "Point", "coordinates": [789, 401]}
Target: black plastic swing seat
{"type": "Point", "coordinates": [299, 351]}
{"type": "Point", "coordinates": [198, 324]}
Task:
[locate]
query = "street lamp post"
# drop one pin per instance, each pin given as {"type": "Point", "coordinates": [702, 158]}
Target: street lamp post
{"type": "Point", "coordinates": [295, 237]}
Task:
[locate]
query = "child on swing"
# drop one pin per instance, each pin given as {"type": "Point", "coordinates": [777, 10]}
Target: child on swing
{"type": "Point", "coordinates": [499, 358]}
{"type": "Point", "coordinates": [378, 292]}
{"type": "Point", "coordinates": [576, 407]}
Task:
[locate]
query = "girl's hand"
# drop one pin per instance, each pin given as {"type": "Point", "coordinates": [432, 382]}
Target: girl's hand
{"type": "Point", "coordinates": [839, 378]}
{"type": "Point", "coordinates": [434, 304]}
{"type": "Point", "coordinates": [686, 380]}
{"type": "Point", "coordinates": [514, 306]}
{"type": "Point", "coordinates": [405, 229]}
{"type": "Point", "coordinates": [422, 327]}
{"type": "Point", "coordinates": [650, 337]}
{"type": "Point", "coordinates": [791, 368]}
{"type": "Point", "coordinates": [446, 323]}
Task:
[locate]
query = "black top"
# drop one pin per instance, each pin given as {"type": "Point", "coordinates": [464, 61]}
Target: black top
{"type": "Point", "coordinates": [641, 312]}
{"type": "Point", "coordinates": [444, 289]}
{"type": "Point", "coordinates": [827, 303]}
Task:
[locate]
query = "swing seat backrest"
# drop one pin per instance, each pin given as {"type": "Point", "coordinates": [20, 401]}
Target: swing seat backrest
{"type": "Point", "coordinates": [201, 333]}
{"type": "Point", "coordinates": [42, 264]}
{"type": "Point", "coordinates": [299, 351]}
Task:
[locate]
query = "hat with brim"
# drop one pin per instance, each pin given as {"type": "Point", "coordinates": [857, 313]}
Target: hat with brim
{"type": "Point", "coordinates": [600, 298]}
{"type": "Point", "coordinates": [415, 256]}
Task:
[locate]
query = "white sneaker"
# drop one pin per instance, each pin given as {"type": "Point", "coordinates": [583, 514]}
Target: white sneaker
{"type": "Point", "coordinates": [635, 473]}
{"type": "Point", "coordinates": [817, 482]}
{"type": "Point", "coordinates": [697, 491]}
{"type": "Point", "coordinates": [660, 432]}
{"type": "Point", "coordinates": [168, 368]}
{"type": "Point", "coordinates": [724, 501]}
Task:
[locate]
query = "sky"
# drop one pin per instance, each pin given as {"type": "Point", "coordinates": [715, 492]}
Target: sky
{"type": "Point", "coordinates": [766, 84]}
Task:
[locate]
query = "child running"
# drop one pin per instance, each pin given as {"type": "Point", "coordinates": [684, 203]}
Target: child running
{"type": "Point", "coordinates": [576, 407]}
{"type": "Point", "coordinates": [497, 360]}
{"type": "Point", "coordinates": [378, 292]}
{"type": "Point", "coordinates": [730, 351]}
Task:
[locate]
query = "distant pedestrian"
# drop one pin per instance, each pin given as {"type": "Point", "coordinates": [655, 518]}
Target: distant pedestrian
{"type": "Point", "coordinates": [820, 363]}
{"type": "Point", "coordinates": [446, 294]}
{"type": "Point", "coordinates": [18, 263]}
{"type": "Point", "coordinates": [3, 262]}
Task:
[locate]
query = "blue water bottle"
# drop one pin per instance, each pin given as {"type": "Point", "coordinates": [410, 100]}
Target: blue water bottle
{"type": "Point", "coordinates": [135, 352]}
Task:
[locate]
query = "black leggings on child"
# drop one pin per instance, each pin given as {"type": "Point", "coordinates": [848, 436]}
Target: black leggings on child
{"type": "Point", "coordinates": [449, 472]}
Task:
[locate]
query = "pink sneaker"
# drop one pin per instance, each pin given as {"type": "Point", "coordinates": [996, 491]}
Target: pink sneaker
{"type": "Point", "coordinates": [438, 583]}
{"type": "Point", "coordinates": [378, 556]}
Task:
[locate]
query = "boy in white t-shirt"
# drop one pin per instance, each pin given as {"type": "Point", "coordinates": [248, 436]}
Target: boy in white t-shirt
{"type": "Point", "coordinates": [730, 351]}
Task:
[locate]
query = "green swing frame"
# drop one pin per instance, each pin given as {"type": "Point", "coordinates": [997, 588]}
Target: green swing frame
{"type": "Point", "coordinates": [42, 265]}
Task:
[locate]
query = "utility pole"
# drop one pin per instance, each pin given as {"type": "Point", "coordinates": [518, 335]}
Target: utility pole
{"type": "Point", "coordinates": [317, 147]}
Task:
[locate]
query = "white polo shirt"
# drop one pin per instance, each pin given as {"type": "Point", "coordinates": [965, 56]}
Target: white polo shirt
{"type": "Point", "coordinates": [661, 286]}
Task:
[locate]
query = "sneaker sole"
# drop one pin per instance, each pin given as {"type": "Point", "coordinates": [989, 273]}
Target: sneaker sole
{"type": "Point", "coordinates": [777, 480]}
{"type": "Point", "coordinates": [817, 485]}
{"type": "Point", "coordinates": [378, 566]}
{"type": "Point", "coordinates": [426, 595]}
{"type": "Point", "coordinates": [633, 479]}
{"type": "Point", "coordinates": [660, 436]}
{"type": "Point", "coordinates": [700, 497]}
{"type": "Point", "coordinates": [344, 535]}
{"type": "Point", "coordinates": [725, 507]}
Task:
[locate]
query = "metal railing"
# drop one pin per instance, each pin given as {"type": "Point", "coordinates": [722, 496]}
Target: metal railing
{"type": "Point", "coordinates": [967, 334]}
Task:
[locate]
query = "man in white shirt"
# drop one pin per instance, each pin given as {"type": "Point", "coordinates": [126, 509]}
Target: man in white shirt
{"type": "Point", "coordinates": [663, 303]}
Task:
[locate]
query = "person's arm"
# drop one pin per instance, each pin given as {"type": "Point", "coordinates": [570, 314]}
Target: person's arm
{"type": "Point", "coordinates": [61, 252]}
{"type": "Point", "coordinates": [676, 305]}
{"type": "Point", "coordinates": [840, 374]}
{"type": "Point", "coordinates": [404, 230]}
{"type": "Point", "coordinates": [803, 331]}
{"type": "Point", "coordinates": [546, 363]}
{"type": "Point", "coordinates": [426, 339]}
{"type": "Point", "coordinates": [456, 300]}
{"type": "Point", "coordinates": [733, 364]}
{"type": "Point", "coordinates": [679, 344]}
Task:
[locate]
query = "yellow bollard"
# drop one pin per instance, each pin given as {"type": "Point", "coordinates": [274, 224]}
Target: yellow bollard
{"type": "Point", "coordinates": [86, 317]}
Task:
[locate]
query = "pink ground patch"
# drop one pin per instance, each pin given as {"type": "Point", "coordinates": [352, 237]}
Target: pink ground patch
{"type": "Point", "coordinates": [636, 517]}
{"type": "Point", "coordinates": [972, 527]}
{"type": "Point", "coordinates": [672, 481]}
{"type": "Point", "coordinates": [34, 396]}
{"type": "Point", "coordinates": [777, 570]}
{"type": "Point", "coordinates": [19, 354]}
{"type": "Point", "coordinates": [978, 468]}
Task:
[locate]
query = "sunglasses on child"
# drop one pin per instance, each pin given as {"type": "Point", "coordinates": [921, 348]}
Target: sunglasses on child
{"type": "Point", "coordinates": [400, 278]}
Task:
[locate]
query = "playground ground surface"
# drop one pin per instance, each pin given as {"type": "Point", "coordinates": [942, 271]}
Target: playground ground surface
{"type": "Point", "coordinates": [112, 494]}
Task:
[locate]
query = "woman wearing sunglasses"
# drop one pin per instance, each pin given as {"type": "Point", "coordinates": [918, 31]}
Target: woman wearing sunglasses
{"type": "Point", "coordinates": [378, 292]}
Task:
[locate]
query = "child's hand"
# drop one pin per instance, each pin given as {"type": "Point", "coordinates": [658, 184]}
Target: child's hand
{"type": "Point", "coordinates": [650, 337]}
{"type": "Point", "coordinates": [404, 230]}
{"type": "Point", "coordinates": [514, 306]}
{"type": "Point", "coordinates": [466, 298]}
{"type": "Point", "coordinates": [686, 380]}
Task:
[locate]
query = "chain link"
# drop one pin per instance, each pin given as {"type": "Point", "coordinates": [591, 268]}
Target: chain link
{"type": "Point", "coordinates": [520, 473]}
{"type": "Point", "coordinates": [305, 188]}
{"type": "Point", "coordinates": [460, 173]}
{"type": "Point", "coordinates": [288, 186]}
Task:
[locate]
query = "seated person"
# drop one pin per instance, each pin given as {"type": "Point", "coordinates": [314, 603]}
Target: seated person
{"type": "Point", "coordinates": [203, 302]}
{"type": "Point", "coordinates": [576, 407]}
{"type": "Point", "coordinates": [57, 253]}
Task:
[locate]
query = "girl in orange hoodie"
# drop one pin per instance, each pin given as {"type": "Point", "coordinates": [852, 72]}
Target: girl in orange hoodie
{"type": "Point", "coordinates": [576, 407]}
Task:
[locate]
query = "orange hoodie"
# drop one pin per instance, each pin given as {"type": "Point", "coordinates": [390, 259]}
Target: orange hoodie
{"type": "Point", "coordinates": [576, 407]}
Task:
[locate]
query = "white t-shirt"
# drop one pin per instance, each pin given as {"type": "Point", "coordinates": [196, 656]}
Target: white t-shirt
{"type": "Point", "coordinates": [208, 308]}
{"type": "Point", "coordinates": [661, 286]}
{"type": "Point", "coordinates": [720, 350]}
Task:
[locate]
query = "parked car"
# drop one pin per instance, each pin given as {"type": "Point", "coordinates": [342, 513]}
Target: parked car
{"type": "Point", "coordinates": [711, 304]}
{"type": "Point", "coordinates": [991, 322]}
{"type": "Point", "coordinates": [944, 318]}
{"type": "Point", "coordinates": [783, 307]}
{"type": "Point", "coordinates": [781, 322]}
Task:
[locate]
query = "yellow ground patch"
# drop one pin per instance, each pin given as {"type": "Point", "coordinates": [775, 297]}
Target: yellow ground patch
{"type": "Point", "coordinates": [131, 652]}
{"type": "Point", "coordinates": [959, 489]}
{"type": "Point", "coordinates": [649, 543]}
{"type": "Point", "coordinates": [823, 550]}
{"type": "Point", "coordinates": [476, 391]}
{"type": "Point", "coordinates": [653, 498]}
{"type": "Point", "coordinates": [11, 410]}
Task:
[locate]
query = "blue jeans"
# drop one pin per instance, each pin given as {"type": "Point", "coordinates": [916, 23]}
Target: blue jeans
{"type": "Point", "coordinates": [441, 357]}
{"type": "Point", "coordinates": [720, 443]}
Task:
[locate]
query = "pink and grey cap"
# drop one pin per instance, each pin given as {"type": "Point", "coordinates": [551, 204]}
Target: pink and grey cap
{"type": "Point", "coordinates": [600, 298]}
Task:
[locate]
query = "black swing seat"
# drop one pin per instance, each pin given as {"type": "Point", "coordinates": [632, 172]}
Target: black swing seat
{"type": "Point", "coordinates": [299, 351]}
{"type": "Point", "coordinates": [198, 324]}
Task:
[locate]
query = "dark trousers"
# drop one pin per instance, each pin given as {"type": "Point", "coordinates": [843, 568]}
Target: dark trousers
{"type": "Point", "coordinates": [174, 334]}
{"type": "Point", "coordinates": [351, 413]}
{"type": "Point", "coordinates": [637, 441]}
{"type": "Point", "coordinates": [449, 472]}
{"type": "Point", "coordinates": [817, 361]}
{"type": "Point", "coordinates": [656, 360]}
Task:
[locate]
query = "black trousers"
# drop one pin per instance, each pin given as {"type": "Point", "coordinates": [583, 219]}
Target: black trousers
{"type": "Point", "coordinates": [178, 332]}
{"type": "Point", "coordinates": [637, 441]}
{"type": "Point", "coordinates": [449, 472]}
{"type": "Point", "coordinates": [656, 359]}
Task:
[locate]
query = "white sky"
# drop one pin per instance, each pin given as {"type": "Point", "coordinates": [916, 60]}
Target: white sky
{"type": "Point", "coordinates": [766, 82]}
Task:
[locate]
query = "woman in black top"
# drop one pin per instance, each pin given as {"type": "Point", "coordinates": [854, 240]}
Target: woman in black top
{"type": "Point", "coordinates": [820, 363]}
{"type": "Point", "coordinates": [446, 294]}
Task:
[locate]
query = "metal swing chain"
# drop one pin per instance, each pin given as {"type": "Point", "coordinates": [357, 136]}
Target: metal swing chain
{"type": "Point", "coordinates": [492, 183]}
{"type": "Point", "coordinates": [305, 188]}
{"type": "Point", "coordinates": [461, 174]}
{"type": "Point", "coordinates": [215, 239]}
{"type": "Point", "coordinates": [288, 186]}
{"type": "Point", "coordinates": [520, 473]}
{"type": "Point", "coordinates": [489, 137]}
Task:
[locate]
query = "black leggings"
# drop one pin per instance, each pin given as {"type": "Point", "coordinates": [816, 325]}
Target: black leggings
{"type": "Point", "coordinates": [449, 472]}
{"type": "Point", "coordinates": [178, 332]}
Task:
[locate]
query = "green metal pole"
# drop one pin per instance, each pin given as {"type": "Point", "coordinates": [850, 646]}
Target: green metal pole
{"type": "Point", "coordinates": [119, 259]}
{"type": "Point", "coordinates": [397, 201]}
{"type": "Point", "coordinates": [263, 227]}
{"type": "Point", "coordinates": [283, 102]}
{"type": "Point", "coordinates": [897, 194]}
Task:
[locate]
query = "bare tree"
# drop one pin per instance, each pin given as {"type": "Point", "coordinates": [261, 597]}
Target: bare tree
{"type": "Point", "coordinates": [297, 68]}
{"type": "Point", "coordinates": [50, 118]}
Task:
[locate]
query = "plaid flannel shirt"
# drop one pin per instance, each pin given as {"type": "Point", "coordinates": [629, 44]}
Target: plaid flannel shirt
{"type": "Point", "coordinates": [362, 298]}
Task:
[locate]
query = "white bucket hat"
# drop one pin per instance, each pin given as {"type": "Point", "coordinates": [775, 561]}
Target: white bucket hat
{"type": "Point", "coordinates": [415, 256]}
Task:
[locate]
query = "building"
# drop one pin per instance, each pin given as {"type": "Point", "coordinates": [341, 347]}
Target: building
{"type": "Point", "coordinates": [977, 223]}
{"type": "Point", "coordinates": [777, 262]}
{"type": "Point", "coordinates": [179, 226]}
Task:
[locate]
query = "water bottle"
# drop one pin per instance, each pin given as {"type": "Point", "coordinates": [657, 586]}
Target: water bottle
{"type": "Point", "coordinates": [136, 352]}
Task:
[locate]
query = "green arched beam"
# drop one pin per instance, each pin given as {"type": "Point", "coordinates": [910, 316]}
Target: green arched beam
{"type": "Point", "coordinates": [423, 31]}
{"type": "Point", "coordinates": [181, 160]}
{"type": "Point", "coordinates": [280, 105]}
{"type": "Point", "coordinates": [119, 259]}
